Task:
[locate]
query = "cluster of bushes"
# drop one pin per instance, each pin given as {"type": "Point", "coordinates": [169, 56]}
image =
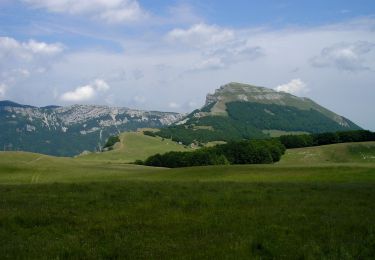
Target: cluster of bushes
{"type": "Point", "coordinates": [242, 152]}
{"type": "Point", "coordinates": [297, 141]}
{"type": "Point", "coordinates": [111, 141]}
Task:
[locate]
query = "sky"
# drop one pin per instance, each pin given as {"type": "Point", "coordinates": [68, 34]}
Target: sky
{"type": "Point", "coordinates": [168, 54]}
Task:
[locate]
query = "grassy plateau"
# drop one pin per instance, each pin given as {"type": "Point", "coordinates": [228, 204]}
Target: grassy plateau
{"type": "Point", "coordinates": [316, 203]}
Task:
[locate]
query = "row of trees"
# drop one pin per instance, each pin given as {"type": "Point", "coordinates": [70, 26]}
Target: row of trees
{"type": "Point", "coordinates": [242, 152]}
{"type": "Point", "coordinates": [297, 141]}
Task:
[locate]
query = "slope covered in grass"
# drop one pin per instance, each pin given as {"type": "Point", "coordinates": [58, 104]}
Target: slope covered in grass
{"type": "Point", "coordinates": [59, 208]}
{"type": "Point", "coordinates": [136, 146]}
{"type": "Point", "coordinates": [363, 152]}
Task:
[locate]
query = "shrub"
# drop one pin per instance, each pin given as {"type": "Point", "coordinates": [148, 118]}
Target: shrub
{"type": "Point", "coordinates": [111, 141]}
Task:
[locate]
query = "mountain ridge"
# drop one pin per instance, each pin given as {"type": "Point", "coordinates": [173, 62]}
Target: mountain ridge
{"type": "Point", "coordinates": [234, 111]}
{"type": "Point", "coordinates": [240, 111]}
{"type": "Point", "coordinates": [69, 130]}
{"type": "Point", "coordinates": [248, 93]}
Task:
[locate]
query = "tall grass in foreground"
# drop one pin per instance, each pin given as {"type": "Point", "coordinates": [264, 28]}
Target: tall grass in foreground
{"type": "Point", "coordinates": [154, 220]}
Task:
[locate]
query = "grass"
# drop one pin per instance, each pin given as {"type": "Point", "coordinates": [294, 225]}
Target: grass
{"type": "Point", "coordinates": [136, 146]}
{"type": "Point", "coordinates": [153, 220]}
{"type": "Point", "coordinates": [59, 208]}
{"type": "Point", "coordinates": [337, 153]}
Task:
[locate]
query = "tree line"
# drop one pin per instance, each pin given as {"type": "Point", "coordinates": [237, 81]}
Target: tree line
{"type": "Point", "coordinates": [234, 152]}
{"type": "Point", "coordinates": [307, 140]}
{"type": "Point", "coordinates": [253, 151]}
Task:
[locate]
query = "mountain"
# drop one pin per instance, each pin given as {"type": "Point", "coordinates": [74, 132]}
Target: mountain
{"type": "Point", "coordinates": [67, 131]}
{"type": "Point", "coordinates": [237, 111]}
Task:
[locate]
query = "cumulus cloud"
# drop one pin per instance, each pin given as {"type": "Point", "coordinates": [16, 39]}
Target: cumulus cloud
{"type": "Point", "coordinates": [295, 86]}
{"type": "Point", "coordinates": [42, 47]}
{"type": "Point", "coordinates": [85, 93]}
{"type": "Point", "coordinates": [219, 47]}
{"type": "Point", "coordinates": [100, 85]}
{"type": "Point", "coordinates": [111, 11]}
{"type": "Point", "coordinates": [11, 48]}
{"type": "Point", "coordinates": [3, 89]}
{"type": "Point", "coordinates": [201, 35]}
{"type": "Point", "coordinates": [346, 56]}
{"type": "Point", "coordinates": [20, 60]}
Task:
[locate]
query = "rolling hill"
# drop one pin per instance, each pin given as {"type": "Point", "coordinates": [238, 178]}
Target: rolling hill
{"type": "Point", "coordinates": [135, 146]}
{"type": "Point", "coordinates": [237, 111]}
{"type": "Point", "coordinates": [58, 208]}
{"type": "Point", "coordinates": [362, 152]}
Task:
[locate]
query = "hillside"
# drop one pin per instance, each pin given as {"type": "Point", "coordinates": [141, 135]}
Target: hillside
{"type": "Point", "coordinates": [302, 165]}
{"type": "Point", "coordinates": [135, 146]}
{"type": "Point", "coordinates": [237, 111]}
{"type": "Point", "coordinates": [363, 153]}
{"type": "Point", "coordinates": [68, 131]}
{"type": "Point", "coordinates": [58, 208]}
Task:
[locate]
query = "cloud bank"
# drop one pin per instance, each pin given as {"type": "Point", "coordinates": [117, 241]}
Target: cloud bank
{"type": "Point", "coordinates": [354, 56]}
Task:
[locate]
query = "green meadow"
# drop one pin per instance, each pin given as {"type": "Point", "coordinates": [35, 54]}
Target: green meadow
{"type": "Point", "coordinates": [135, 146]}
{"type": "Point", "coordinates": [316, 203]}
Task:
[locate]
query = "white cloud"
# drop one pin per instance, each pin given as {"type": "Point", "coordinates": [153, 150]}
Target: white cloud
{"type": "Point", "coordinates": [111, 11]}
{"type": "Point", "coordinates": [173, 105]}
{"type": "Point", "coordinates": [85, 93]}
{"type": "Point", "coordinates": [3, 89]}
{"type": "Point", "coordinates": [295, 86]}
{"type": "Point", "coordinates": [201, 35]}
{"type": "Point", "coordinates": [219, 47]}
{"type": "Point", "coordinates": [20, 60]}
{"type": "Point", "coordinates": [227, 55]}
{"type": "Point", "coordinates": [11, 48]}
{"type": "Point", "coordinates": [346, 56]}
{"type": "Point", "coordinates": [42, 47]}
{"type": "Point", "coordinates": [101, 85]}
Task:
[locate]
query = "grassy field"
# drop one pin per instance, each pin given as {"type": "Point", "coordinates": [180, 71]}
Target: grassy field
{"type": "Point", "coordinates": [58, 208]}
{"type": "Point", "coordinates": [337, 153]}
{"type": "Point", "coordinates": [135, 146]}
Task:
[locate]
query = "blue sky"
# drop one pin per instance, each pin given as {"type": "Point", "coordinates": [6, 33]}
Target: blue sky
{"type": "Point", "coordinates": [167, 55]}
